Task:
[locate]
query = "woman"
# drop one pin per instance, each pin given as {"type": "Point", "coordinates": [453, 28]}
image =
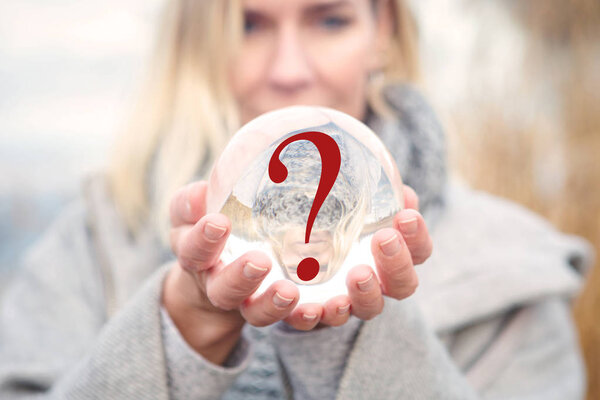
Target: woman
{"type": "Point", "coordinates": [124, 296]}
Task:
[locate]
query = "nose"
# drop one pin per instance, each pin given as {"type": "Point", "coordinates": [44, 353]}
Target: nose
{"type": "Point", "coordinates": [290, 69]}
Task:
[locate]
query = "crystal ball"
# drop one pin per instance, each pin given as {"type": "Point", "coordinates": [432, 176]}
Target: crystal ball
{"type": "Point", "coordinates": [309, 186]}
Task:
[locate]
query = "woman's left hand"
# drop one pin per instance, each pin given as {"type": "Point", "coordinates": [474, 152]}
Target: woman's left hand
{"type": "Point", "coordinates": [396, 251]}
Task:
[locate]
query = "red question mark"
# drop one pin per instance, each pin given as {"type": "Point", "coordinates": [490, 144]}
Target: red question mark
{"type": "Point", "coordinates": [330, 167]}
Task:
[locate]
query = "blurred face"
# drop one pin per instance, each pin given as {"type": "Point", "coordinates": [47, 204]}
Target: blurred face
{"type": "Point", "coordinates": [294, 250]}
{"type": "Point", "coordinates": [309, 52]}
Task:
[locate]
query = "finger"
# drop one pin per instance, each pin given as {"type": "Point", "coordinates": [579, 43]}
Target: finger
{"type": "Point", "coordinates": [411, 200]}
{"type": "Point", "coordinates": [305, 317]}
{"type": "Point", "coordinates": [415, 234]}
{"type": "Point", "coordinates": [394, 264]}
{"type": "Point", "coordinates": [365, 292]}
{"type": "Point", "coordinates": [200, 247]}
{"type": "Point", "coordinates": [228, 286]}
{"type": "Point", "coordinates": [188, 204]}
{"type": "Point", "coordinates": [276, 303]}
{"type": "Point", "coordinates": [336, 311]}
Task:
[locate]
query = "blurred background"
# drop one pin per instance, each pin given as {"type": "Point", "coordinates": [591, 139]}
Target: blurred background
{"type": "Point", "coordinates": [516, 84]}
{"type": "Point", "coordinates": [68, 71]}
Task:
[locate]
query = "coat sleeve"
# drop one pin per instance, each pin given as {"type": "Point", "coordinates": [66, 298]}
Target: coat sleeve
{"type": "Point", "coordinates": [532, 353]}
{"type": "Point", "coordinates": [55, 340]}
{"type": "Point", "coordinates": [185, 367]}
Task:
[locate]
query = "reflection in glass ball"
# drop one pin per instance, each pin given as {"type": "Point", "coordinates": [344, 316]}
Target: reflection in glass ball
{"type": "Point", "coordinates": [272, 217]}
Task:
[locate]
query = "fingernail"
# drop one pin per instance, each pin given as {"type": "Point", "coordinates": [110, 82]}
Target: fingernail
{"type": "Point", "coordinates": [251, 271]}
{"type": "Point", "coordinates": [281, 301]}
{"type": "Point", "coordinates": [390, 246]}
{"type": "Point", "coordinates": [409, 226]}
{"type": "Point", "coordinates": [214, 232]}
{"type": "Point", "coordinates": [343, 309]}
{"type": "Point", "coordinates": [367, 284]}
{"type": "Point", "coordinates": [309, 317]}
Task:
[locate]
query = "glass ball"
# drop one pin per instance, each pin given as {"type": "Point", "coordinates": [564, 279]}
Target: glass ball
{"type": "Point", "coordinates": [309, 186]}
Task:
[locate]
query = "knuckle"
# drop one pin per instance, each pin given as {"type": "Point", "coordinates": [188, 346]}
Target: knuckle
{"type": "Point", "coordinates": [236, 287]}
{"type": "Point", "coordinates": [369, 302]}
{"type": "Point", "coordinates": [399, 275]}
{"type": "Point", "coordinates": [259, 316]}
{"type": "Point", "coordinates": [220, 301]}
{"type": "Point", "coordinates": [406, 289]}
{"type": "Point", "coordinates": [214, 300]}
{"type": "Point", "coordinates": [194, 256]}
{"type": "Point", "coordinates": [176, 236]}
{"type": "Point", "coordinates": [186, 263]}
{"type": "Point", "coordinates": [263, 319]}
{"type": "Point", "coordinates": [272, 315]}
{"type": "Point", "coordinates": [247, 313]}
{"type": "Point", "coordinates": [194, 253]}
{"type": "Point", "coordinates": [176, 200]}
{"type": "Point", "coordinates": [371, 313]}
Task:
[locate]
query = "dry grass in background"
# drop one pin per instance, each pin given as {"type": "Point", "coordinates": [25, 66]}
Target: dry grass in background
{"type": "Point", "coordinates": [548, 160]}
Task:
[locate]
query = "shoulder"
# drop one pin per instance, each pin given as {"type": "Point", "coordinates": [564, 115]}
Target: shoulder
{"type": "Point", "coordinates": [498, 221]}
{"type": "Point", "coordinates": [491, 254]}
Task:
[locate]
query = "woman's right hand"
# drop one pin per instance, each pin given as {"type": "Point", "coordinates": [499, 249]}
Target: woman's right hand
{"type": "Point", "coordinates": [208, 301]}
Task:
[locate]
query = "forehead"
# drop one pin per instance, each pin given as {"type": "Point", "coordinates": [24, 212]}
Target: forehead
{"type": "Point", "coordinates": [297, 5]}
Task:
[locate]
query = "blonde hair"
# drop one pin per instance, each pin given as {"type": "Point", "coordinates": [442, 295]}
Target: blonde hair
{"type": "Point", "coordinates": [187, 113]}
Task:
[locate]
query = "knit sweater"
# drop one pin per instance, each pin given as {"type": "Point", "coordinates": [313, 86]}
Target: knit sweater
{"type": "Point", "coordinates": [490, 319]}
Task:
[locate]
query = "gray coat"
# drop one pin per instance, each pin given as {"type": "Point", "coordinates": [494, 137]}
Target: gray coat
{"type": "Point", "coordinates": [490, 319]}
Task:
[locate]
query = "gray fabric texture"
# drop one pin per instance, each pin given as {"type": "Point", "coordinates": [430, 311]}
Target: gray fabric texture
{"type": "Point", "coordinates": [323, 352]}
{"type": "Point", "coordinates": [490, 319]}
{"type": "Point", "coordinates": [187, 366]}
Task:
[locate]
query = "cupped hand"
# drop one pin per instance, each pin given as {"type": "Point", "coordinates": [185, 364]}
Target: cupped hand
{"type": "Point", "coordinates": [200, 281]}
{"type": "Point", "coordinates": [396, 251]}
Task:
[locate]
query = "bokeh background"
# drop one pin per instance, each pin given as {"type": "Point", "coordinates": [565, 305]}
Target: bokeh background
{"type": "Point", "coordinates": [516, 84]}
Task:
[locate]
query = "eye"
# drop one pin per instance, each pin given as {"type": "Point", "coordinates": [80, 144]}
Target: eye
{"type": "Point", "coordinates": [333, 22]}
{"type": "Point", "coordinates": [249, 26]}
{"type": "Point", "coordinates": [252, 22]}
